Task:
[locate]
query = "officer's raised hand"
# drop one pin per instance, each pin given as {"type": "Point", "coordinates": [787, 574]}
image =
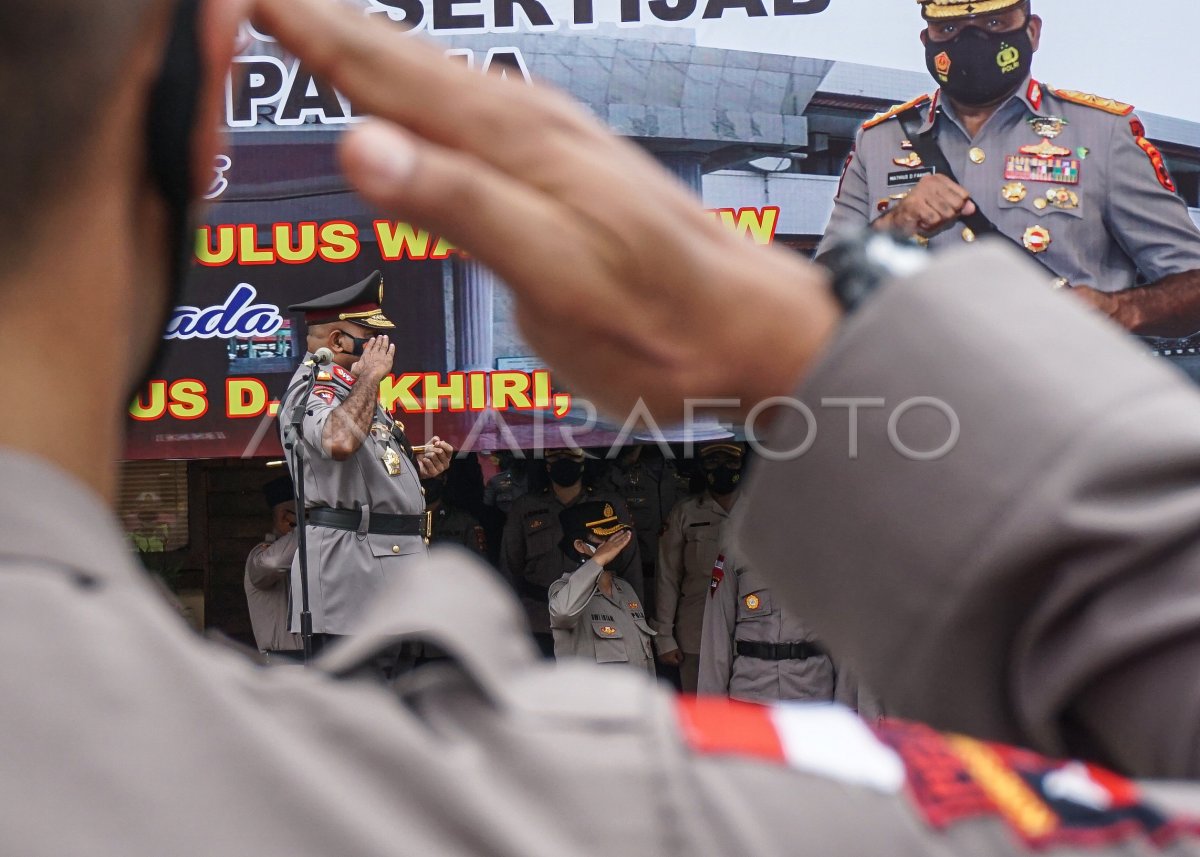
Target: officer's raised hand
{"type": "Point", "coordinates": [612, 547]}
{"type": "Point", "coordinates": [932, 206]}
{"type": "Point", "coordinates": [571, 217]}
{"type": "Point", "coordinates": [376, 361]}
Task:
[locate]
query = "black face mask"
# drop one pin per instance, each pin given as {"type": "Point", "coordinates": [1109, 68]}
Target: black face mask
{"type": "Point", "coordinates": [723, 480]}
{"type": "Point", "coordinates": [434, 489]}
{"type": "Point", "coordinates": [978, 68]}
{"type": "Point", "coordinates": [357, 350]}
{"type": "Point", "coordinates": [564, 472]}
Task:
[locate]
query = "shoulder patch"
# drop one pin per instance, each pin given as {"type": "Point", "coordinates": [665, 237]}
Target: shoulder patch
{"type": "Point", "coordinates": [1152, 152]}
{"type": "Point", "coordinates": [1047, 803]}
{"type": "Point", "coordinates": [1108, 105]}
{"type": "Point", "coordinates": [880, 118]}
{"type": "Point", "coordinates": [325, 394]}
{"type": "Point", "coordinates": [344, 376]}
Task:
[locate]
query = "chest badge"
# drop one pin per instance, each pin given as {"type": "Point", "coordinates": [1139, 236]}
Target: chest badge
{"type": "Point", "coordinates": [1014, 191]}
{"type": "Point", "coordinates": [752, 602]}
{"type": "Point", "coordinates": [912, 160]}
{"type": "Point", "coordinates": [633, 605]}
{"type": "Point", "coordinates": [977, 155]}
{"type": "Point", "coordinates": [1061, 197]}
{"type": "Point", "coordinates": [608, 631]}
{"type": "Point", "coordinates": [536, 524]}
{"type": "Point", "coordinates": [1048, 126]}
{"type": "Point", "coordinates": [1045, 149]}
{"type": "Point", "coordinates": [391, 461]}
{"type": "Point", "coordinates": [1029, 168]}
{"type": "Point", "coordinates": [1036, 239]}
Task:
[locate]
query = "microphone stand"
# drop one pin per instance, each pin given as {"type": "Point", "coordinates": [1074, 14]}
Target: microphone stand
{"type": "Point", "coordinates": [296, 445]}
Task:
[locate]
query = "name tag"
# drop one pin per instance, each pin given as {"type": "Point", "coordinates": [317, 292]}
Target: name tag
{"type": "Point", "coordinates": [909, 176]}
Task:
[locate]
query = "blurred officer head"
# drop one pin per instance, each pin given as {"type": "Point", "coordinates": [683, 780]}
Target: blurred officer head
{"type": "Point", "coordinates": [92, 191]}
{"type": "Point", "coordinates": [979, 53]}
{"type": "Point", "coordinates": [565, 466]}
{"type": "Point", "coordinates": [280, 500]}
{"type": "Point", "coordinates": [721, 464]}
{"type": "Point", "coordinates": [343, 320]}
{"type": "Point", "coordinates": [586, 526]}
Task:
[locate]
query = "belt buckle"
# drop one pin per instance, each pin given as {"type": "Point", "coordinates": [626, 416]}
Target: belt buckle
{"type": "Point", "coordinates": [427, 526]}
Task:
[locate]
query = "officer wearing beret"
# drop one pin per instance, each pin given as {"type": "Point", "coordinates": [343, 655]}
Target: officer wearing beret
{"type": "Point", "coordinates": [365, 508]}
{"type": "Point", "coordinates": [267, 570]}
{"type": "Point", "coordinates": [687, 552]}
{"type": "Point", "coordinates": [1066, 175]}
{"type": "Point", "coordinates": [594, 613]}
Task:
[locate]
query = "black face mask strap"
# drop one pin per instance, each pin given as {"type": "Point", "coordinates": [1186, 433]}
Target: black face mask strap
{"type": "Point", "coordinates": [170, 122]}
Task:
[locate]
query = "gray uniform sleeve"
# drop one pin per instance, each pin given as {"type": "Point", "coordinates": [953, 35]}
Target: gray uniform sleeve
{"type": "Point", "coordinates": [571, 593]}
{"type": "Point", "coordinates": [1037, 582]}
{"type": "Point", "coordinates": [716, 643]}
{"type": "Point", "coordinates": [321, 403]}
{"type": "Point", "coordinates": [270, 564]}
{"type": "Point", "coordinates": [1150, 222]}
{"type": "Point", "coordinates": [852, 206]}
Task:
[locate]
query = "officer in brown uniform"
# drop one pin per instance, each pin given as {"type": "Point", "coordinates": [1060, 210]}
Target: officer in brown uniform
{"type": "Point", "coordinates": [268, 568]}
{"type": "Point", "coordinates": [365, 508]}
{"type": "Point", "coordinates": [1068, 176]}
{"type": "Point", "coordinates": [529, 551]}
{"type": "Point", "coordinates": [1067, 590]}
{"type": "Point", "coordinates": [594, 614]}
{"type": "Point", "coordinates": [687, 552]}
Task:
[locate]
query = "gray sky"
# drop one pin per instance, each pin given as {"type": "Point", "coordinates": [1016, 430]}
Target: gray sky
{"type": "Point", "coordinates": [1143, 52]}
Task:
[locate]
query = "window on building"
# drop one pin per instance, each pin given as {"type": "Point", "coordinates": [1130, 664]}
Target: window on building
{"type": "Point", "coordinates": [153, 507]}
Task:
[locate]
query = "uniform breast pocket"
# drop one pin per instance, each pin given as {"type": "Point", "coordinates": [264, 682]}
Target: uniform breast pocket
{"type": "Point", "coordinates": [754, 606]}
{"type": "Point", "coordinates": [610, 643]}
{"type": "Point", "coordinates": [699, 554]}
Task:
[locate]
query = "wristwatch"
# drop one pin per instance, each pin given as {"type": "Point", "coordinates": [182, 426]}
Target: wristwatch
{"type": "Point", "coordinates": [861, 264]}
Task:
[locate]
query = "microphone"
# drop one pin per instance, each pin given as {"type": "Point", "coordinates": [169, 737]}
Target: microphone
{"type": "Point", "coordinates": [321, 357]}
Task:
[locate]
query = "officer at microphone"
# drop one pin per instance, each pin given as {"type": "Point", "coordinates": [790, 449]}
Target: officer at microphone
{"type": "Point", "coordinates": [365, 509]}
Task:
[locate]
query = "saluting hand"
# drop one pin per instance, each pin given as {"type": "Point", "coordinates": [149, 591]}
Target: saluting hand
{"type": "Point", "coordinates": [375, 362]}
{"type": "Point", "coordinates": [612, 546]}
{"type": "Point", "coordinates": [931, 207]}
{"type": "Point", "coordinates": [436, 458]}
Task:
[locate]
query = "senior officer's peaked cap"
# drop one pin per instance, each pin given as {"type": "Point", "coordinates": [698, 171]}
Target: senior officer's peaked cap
{"type": "Point", "coordinates": [361, 304]}
{"type": "Point", "coordinates": [721, 447]}
{"type": "Point", "coordinates": [592, 517]}
{"type": "Point", "coordinates": [935, 10]}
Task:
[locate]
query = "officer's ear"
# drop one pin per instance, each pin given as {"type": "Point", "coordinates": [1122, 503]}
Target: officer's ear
{"type": "Point", "coordinates": [925, 36]}
{"type": "Point", "coordinates": [1034, 28]}
{"type": "Point", "coordinates": [581, 547]}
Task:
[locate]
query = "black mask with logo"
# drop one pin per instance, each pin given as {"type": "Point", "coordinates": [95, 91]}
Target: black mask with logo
{"type": "Point", "coordinates": [565, 472]}
{"type": "Point", "coordinates": [979, 68]}
{"type": "Point", "coordinates": [723, 480]}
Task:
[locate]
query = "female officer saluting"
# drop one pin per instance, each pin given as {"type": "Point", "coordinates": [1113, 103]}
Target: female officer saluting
{"type": "Point", "coordinates": [593, 613]}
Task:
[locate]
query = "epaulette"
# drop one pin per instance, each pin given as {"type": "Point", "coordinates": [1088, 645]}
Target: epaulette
{"type": "Point", "coordinates": [1108, 105]}
{"type": "Point", "coordinates": [894, 111]}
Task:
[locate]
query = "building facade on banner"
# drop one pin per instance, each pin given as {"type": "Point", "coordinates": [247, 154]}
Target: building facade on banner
{"type": "Point", "coordinates": [760, 138]}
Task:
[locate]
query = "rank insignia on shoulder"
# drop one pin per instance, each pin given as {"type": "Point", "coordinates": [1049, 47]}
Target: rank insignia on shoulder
{"type": "Point", "coordinates": [633, 605]}
{"type": "Point", "coordinates": [1047, 803]}
{"type": "Point", "coordinates": [1108, 105]}
{"type": "Point", "coordinates": [324, 376]}
{"type": "Point", "coordinates": [1155, 156]}
{"type": "Point", "coordinates": [894, 111]}
{"type": "Point", "coordinates": [344, 376]}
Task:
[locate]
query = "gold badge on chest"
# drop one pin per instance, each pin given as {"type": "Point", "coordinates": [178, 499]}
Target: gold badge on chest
{"type": "Point", "coordinates": [392, 463]}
